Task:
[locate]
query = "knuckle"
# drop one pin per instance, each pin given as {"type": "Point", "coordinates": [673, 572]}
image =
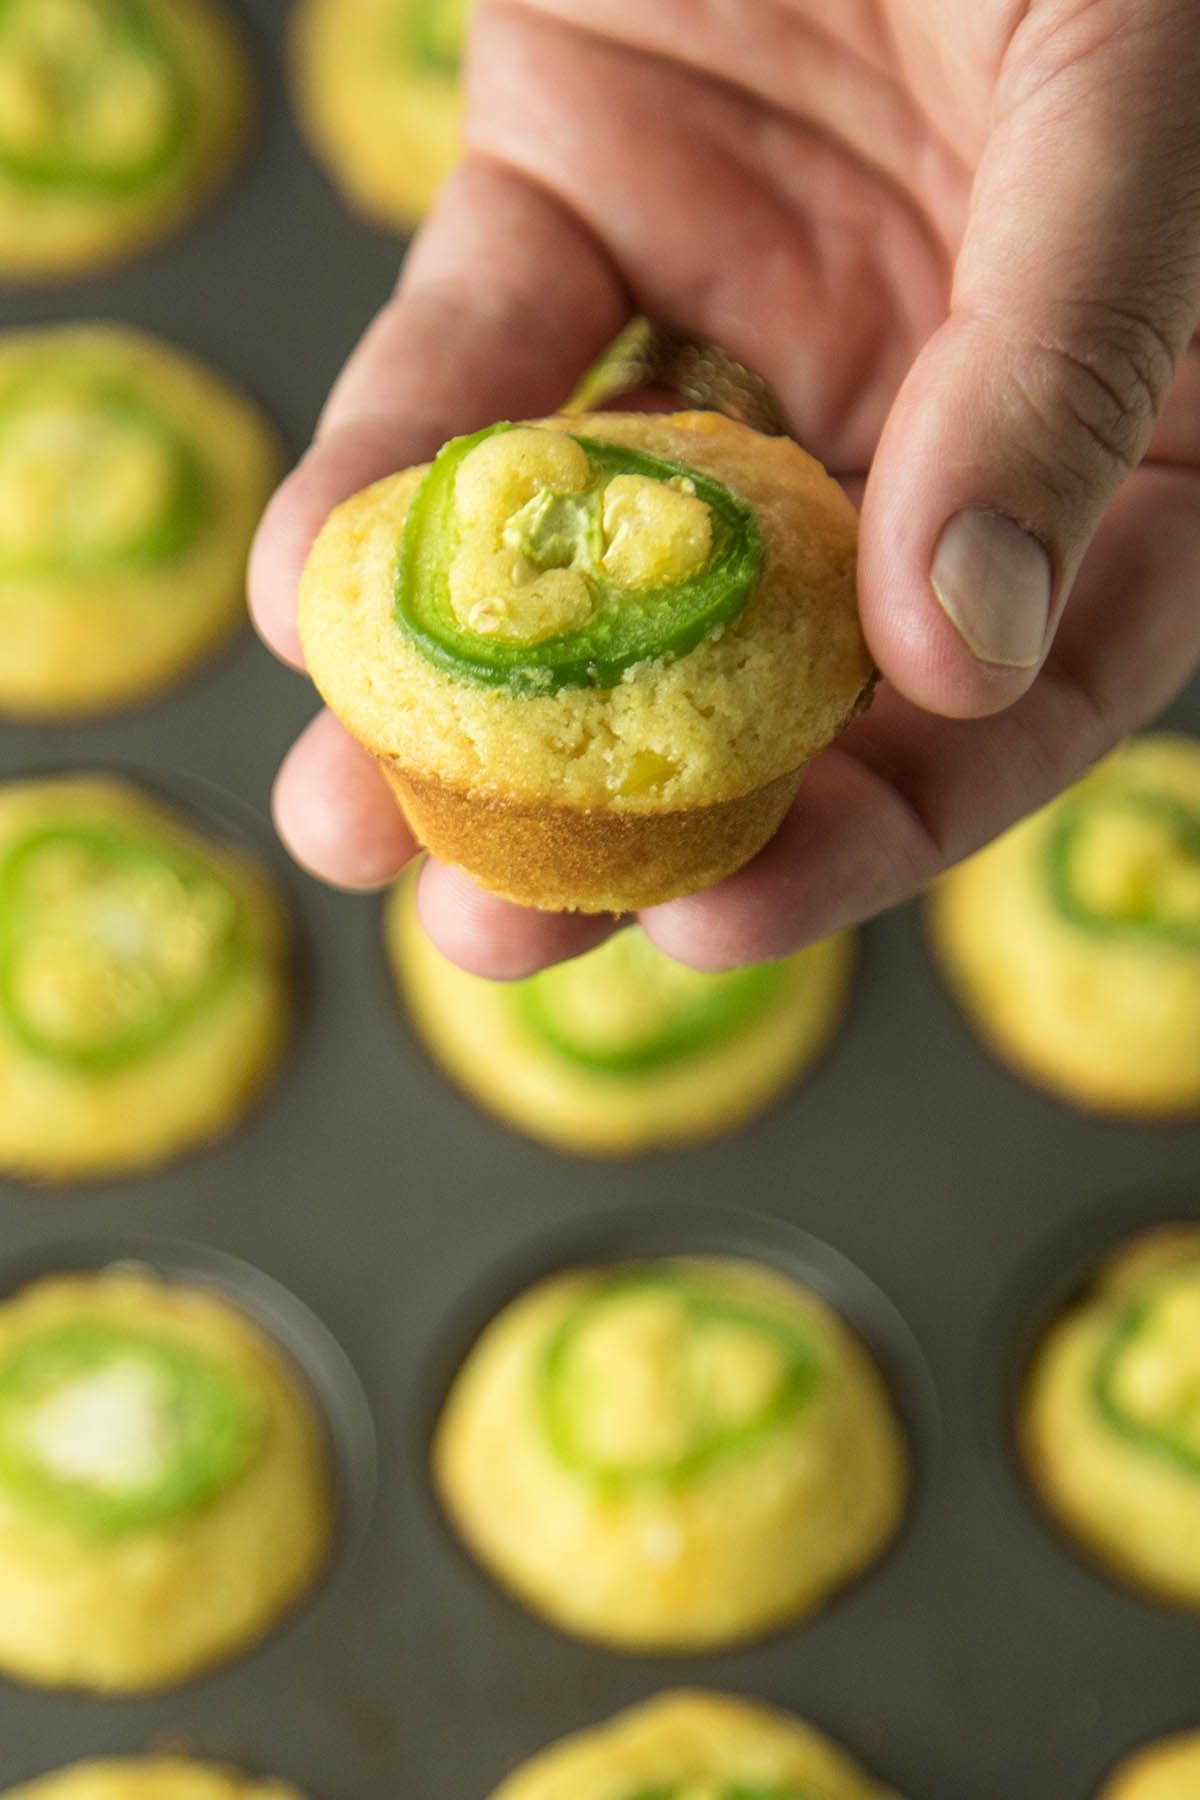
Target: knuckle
{"type": "Point", "coordinates": [1098, 382]}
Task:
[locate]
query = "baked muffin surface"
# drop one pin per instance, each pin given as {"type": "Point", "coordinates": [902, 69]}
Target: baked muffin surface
{"type": "Point", "coordinates": [148, 1778]}
{"type": "Point", "coordinates": [1168, 1769]}
{"type": "Point", "coordinates": [692, 1745]}
{"type": "Point", "coordinates": [117, 118]}
{"type": "Point", "coordinates": [672, 1455]}
{"type": "Point", "coordinates": [622, 1051]}
{"type": "Point", "coordinates": [131, 481]}
{"type": "Point", "coordinates": [164, 1488]}
{"type": "Point", "coordinates": [144, 987]}
{"type": "Point", "coordinates": [1109, 1422]}
{"type": "Point", "coordinates": [1073, 941]}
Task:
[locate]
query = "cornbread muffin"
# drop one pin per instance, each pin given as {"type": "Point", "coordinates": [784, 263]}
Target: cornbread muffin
{"type": "Point", "coordinates": [144, 992]}
{"type": "Point", "coordinates": [1073, 942]}
{"type": "Point", "coordinates": [592, 655]}
{"type": "Point", "coordinates": [622, 1050]}
{"type": "Point", "coordinates": [117, 119]}
{"type": "Point", "coordinates": [148, 1778]}
{"type": "Point", "coordinates": [1166, 1770]}
{"type": "Point", "coordinates": [691, 1745]}
{"type": "Point", "coordinates": [377, 93]}
{"type": "Point", "coordinates": [131, 481]}
{"type": "Point", "coordinates": [1110, 1416]}
{"type": "Point", "coordinates": [670, 1456]}
{"type": "Point", "coordinates": [164, 1488]}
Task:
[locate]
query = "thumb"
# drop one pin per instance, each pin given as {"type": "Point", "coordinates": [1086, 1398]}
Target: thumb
{"type": "Point", "coordinates": [1075, 296]}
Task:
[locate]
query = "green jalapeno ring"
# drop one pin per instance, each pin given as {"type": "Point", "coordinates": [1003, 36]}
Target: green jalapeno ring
{"type": "Point", "coordinates": [66, 167]}
{"type": "Point", "coordinates": [627, 626]}
{"type": "Point", "coordinates": [1124, 1330]}
{"type": "Point", "coordinates": [1059, 850]}
{"type": "Point", "coordinates": [119, 400]}
{"type": "Point", "coordinates": [734, 1001]}
{"type": "Point", "coordinates": [120, 847]}
{"type": "Point", "coordinates": [437, 35]}
{"type": "Point", "coordinates": [215, 1415]}
{"type": "Point", "coordinates": [556, 1401]}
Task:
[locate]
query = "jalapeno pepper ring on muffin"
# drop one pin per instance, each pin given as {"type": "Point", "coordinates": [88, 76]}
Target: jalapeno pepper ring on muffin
{"type": "Point", "coordinates": [592, 655]}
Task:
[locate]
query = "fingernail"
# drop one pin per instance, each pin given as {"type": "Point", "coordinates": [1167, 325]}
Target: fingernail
{"type": "Point", "coordinates": [993, 580]}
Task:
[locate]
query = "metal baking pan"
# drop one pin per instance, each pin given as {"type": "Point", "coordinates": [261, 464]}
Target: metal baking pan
{"type": "Point", "coordinates": [943, 1204]}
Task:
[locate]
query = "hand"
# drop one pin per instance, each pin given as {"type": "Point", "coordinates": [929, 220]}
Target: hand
{"type": "Point", "coordinates": [962, 243]}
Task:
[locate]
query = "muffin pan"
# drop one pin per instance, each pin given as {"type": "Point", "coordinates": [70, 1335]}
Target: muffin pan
{"type": "Point", "coordinates": [939, 1202]}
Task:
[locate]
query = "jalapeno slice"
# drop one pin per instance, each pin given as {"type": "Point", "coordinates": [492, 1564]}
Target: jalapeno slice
{"type": "Point", "coordinates": [656, 1377]}
{"type": "Point", "coordinates": [1147, 1374]}
{"type": "Point", "coordinates": [112, 941]}
{"type": "Point", "coordinates": [106, 1430]}
{"type": "Point", "coordinates": [93, 100]}
{"type": "Point", "coordinates": [437, 34]}
{"type": "Point", "coordinates": [94, 480]}
{"type": "Point", "coordinates": [625, 1008]}
{"type": "Point", "coordinates": [1124, 863]}
{"type": "Point", "coordinates": [537, 560]}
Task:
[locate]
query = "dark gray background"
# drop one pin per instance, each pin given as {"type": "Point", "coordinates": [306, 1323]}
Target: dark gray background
{"type": "Point", "coordinates": [982, 1659]}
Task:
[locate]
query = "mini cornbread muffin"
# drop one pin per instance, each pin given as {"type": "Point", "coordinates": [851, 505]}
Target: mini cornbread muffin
{"type": "Point", "coordinates": [1110, 1417]}
{"type": "Point", "coordinates": [148, 1778]}
{"type": "Point", "coordinates": [622, 1050]}
{"type": "Point", "coordinates": [691, 1745]}
{"type": "Point", "coordinates": [592, 655]}
{"type": "Point", "coordinates": [377, 93]}
{"type": "Point", "coordinates": [1166, 1770]}
{"type": "Point", "coordinates": [144, 992]}
{"type": "Point", "coordinates": [670, 1456]}
{"type": "Point", "coordinates": [131, 481]}
{"type": "Point", "coordinates": [117, 119]}
{"type": "Point", "coordinates": [1073, 941]}
{"type": "Point", "coordinates": [164, 1485]}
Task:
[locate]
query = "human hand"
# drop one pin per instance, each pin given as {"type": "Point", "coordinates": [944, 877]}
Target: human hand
{"type": "Point", "coordinates": [962, 245]}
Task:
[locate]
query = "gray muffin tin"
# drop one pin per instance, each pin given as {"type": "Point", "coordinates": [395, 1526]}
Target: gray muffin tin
{"type": "Point", "coordinates": [984, 1656]}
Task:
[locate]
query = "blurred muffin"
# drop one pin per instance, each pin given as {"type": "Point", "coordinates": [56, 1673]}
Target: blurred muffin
{"type": "Point", "coordinates": [148, 1778]}
{"type": "Point", "coordinates": [117, 119]}
{"type": "Point", "coordinates": [144, 996]}
{"type": "Point", "coordinates": [377, 93]}
{"type": "Point", "coordinates": [1166, 1770]}
{"type": "Point", "coordinates": [164, 1488]}
{"type": "Point", "coordinates": [131, 481]}
{"type": "Point", "coordinates": [622, 1050]}
{"type": "Point", "coordinates": [670, 1456]}
{"type": "Point", "coordinates": [592, 656]}
{"type": "Point", "coordinates": [689, 1743]}
{"type": "Point", "coordinates": [1110, 1416]}
{"type": "Point", "coordinates": [1073, 942]}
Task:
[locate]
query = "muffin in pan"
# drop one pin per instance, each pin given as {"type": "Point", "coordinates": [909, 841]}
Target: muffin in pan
{"type": "Point", "coordinates": [1168, 1769]}
{"type": "Point", "coordinates": [670, 1456]}
{"type": "Point", "coordinates": [144, 987]}
{"type": "Point", "coordinates": [131, 481]}
{"type": "Point", "coordinates": [592, 655]}
{"type": "Point", "coordinates": [621, 1051]}
{"type": "Point", "coordinates": [377, 93]}
{"type": "Point", "coordinates": [148, 1778]}
{"type": "Point", "coordinates": [1110, 1415]}
{"type": "Point", "coordinates": [165, 1494]}
{"type": "Point", "coordinates": [117, 119]}
{"type": "Point", "coordinates": [687, 1744]}
{"type": "Point", "coordinates": [1073, 941]}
